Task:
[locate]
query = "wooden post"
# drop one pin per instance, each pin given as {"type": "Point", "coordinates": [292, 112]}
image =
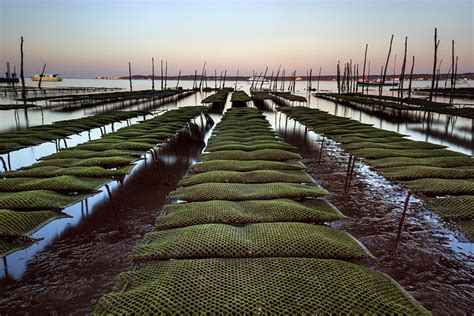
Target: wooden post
{"type": "Point", "coordinates": [275, 87]}
{"type": "Point", "coordinates": [282, 86]}
{"type": "Point", "coordinates": [130, 75]}
{"type": "Point", "coordinates": [153, 73]}
{"type": "Point", "coordinates": [386, 65]}
{"type": "Point", "coordinates": [41, 76]}
{"type": "Point", "coordinates": [402, 72]}
{"type": "Point", "coordinates": [202, 75]}
{"type": "Point", "coordinates": [179, 77]}
{"type": "Point", "coordinates": [338, 74]}
{"type": "Point", "coordinates": [223, 80]}
{"type": "Point", "coordinates": [310, 79]}
{"type": "Point", "coordinates": [22, 74]}
{"type": "Point", "coordinates": [411, 77]}
{"type": "Point", "coordinates": [166, 75]}
{"type": "Point", "coordinates": [438, 75]}
{"type": "Point", "coordinates": [319, 78]}
{"type": "Point", "coordinates": [401, 223]}
{"type": "Point", "coordinates": [195, 77]}
{"type": "Point", "coordinates": [215, 79]}
{"type": "Point", "coordinates": [433, 77]}
{"type": "Point", "coordinates": [363, 69]}
{"type": "Point", "coordinates": [452, 73]}
{"type": "Point", "coordinates": [235, 88]}
{"type": "Point", "coordinates": [263, 79]}
{"type": "Point", "coordinates": [161, 76]}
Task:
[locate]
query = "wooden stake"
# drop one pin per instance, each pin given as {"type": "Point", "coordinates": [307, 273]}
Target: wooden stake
{"type": "Point", "coordinates": [166, 75]}
{"type": "Point", "coordinates": [452, 73]}
{"type": "Point", "coordinates": [130, 75]}
{"type": "Point", "coordinates": [41, 76]}
{"type": "Point", "coordinates": [363, 69]}
{"type": "Point", "coordinates": [401, 223]}
{"type": "Point", "coordinates": [161, 77]}
{"type": "Point", "coordinates": [153, 73]}
{"type": "Point", "coordinates": [263, 79]}
{"type": "Point", "coordinates": [22, 74]}
{"type": "Point", "coordinates": [338, 77]}
{"type": "Point", "coordinates": [402, 73]}
{"type": "Point", "coordinates": [386, 65]}
{"type": "Point", "coordinates": [319, 77]}
{"type": "Point", "coordinates": [433, 76]}
{"type": "Point", "coordinates": [179, 77]}
{"type": "Point", "coordinates": [411, 77]}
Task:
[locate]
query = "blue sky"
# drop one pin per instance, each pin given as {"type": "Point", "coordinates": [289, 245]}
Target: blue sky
{"type": "Point", "coordinates": [89, 38]}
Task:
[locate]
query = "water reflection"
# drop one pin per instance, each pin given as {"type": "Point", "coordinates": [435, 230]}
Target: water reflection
{"type": "Point", "coordinates": [145, 189]}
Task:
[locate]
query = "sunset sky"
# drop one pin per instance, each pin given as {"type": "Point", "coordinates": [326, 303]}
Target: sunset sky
{"type": "Point", "coordinates": [88, 38]}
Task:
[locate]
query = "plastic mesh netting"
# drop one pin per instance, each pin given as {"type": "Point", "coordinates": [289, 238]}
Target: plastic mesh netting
{"type": "Point", "coordinates": [444, 162]}
{"type": "Point", "coordinates": [37, 200]}
{"type": "Point", "coordinates": [258, 176]}
{"type": "Point", "coordinates": [245, 212]}
{"type": "Point", "coordinates": [441, 186]}
{"type": "Point", "coordinates": [262, 154]}
{"type": "Point", "coordinates": [58, 184]}
{"type": "Point", "coordinates": [257, 286]}
{"type": "Point", "coordinates": [285, 239]}
{"type": "Point", "coordinates": [419, 172]}
{"type": "Point", "coordinates": [242, 165]}
{"type": "Point", "coordinates": [456, 207]}
{"type": "Point", "coordinates": [19, 223]}
{"type": "Point", "coordinates": [241, 192]}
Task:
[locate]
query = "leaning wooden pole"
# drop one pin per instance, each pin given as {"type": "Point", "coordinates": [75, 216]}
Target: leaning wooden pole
{"type": "Point", "coordinates": [402, 73]}
{"type": "Point", "coordinates": [130, 75]}
{"type": "Point", "coordinates": [433, 76]}
{"type": "Point", "coordinates": [363, 69]}
{"type": "Point", "coordinates": [263, 79]}
{"type": "Point", "coordinates": [411, 77]}
{"type": "Point", "coordinates": [41, 76]}
{"type": "Point", "coordinates": [22, 74]}
{"type": "Point", "coordinates": [386, 66]}
{"type": "Point", "coordinates": [152, 73]}
{"type": "Point", "coordinates": [179, 77]}
{"type": "Point", "coordinates": [166, 75]}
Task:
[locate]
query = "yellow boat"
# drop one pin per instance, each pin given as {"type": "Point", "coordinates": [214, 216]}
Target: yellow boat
{"type": "Point", "coordinates": [54, 78]}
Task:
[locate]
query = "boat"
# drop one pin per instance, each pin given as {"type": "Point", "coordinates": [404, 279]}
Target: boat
{"type": "Point", "coordinates": [47, 77]}
{"type": "Point", "coordinates": [376, 84]}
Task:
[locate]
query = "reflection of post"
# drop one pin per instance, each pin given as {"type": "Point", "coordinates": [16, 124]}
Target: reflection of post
{"type": "Point", "coordinates": [114, 207]}
{"type": "Point", "coordinates": [321, 150]}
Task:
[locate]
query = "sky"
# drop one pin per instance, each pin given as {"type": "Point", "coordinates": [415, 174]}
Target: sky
{"type": "Point", "coordinates": [89, 38]}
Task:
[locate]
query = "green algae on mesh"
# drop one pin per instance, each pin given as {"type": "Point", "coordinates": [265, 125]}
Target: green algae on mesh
{"type": "Point", "coordinates": [407, 144]}
{"type": "Point", "coordinates": [11, 244]}
{"type": "Point", "coordinates": [262, 154]}
{"type": "Point", "coordinates": [442, 162]}
{"type": "Point", "coordinates": [432, 187]}
{"type": "Point", "coordinates": [23, 223]}
{"type": "Point", "coordinates": [453, 207]}
{"type": "Point", "coordinates": [467, 229]}
{"type": "Point", "coordinates": [54, 171]}
{"type": "Point", "coordinates": [257, 176]}
{"type": "Point", "coordinates": [246, 147]}
{"type": "Point", "coordinates": [240, 96]}
{"type": "Point", "coordinates": [37, 200]}
{"type": "Point", "coordinates": [419, 172]}
{"type": "Point", "coordinates": [228, 286]}
{"type": "Point", "coordinates": [245, 165]}
{"type": "Point", "coordinates": [278, 239]}
{"type": "Point", "coordinates": [379, 153]}
{"type": "Point", "coordinates": [59, 184]}
{"type": "Point", "coordinates": [241, 192]}
{"type": "Point", "coordinates": [245, 212]}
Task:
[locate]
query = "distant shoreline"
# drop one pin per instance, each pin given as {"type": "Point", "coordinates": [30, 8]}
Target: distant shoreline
{"type": "Point", "coordinates": [416, 77]}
